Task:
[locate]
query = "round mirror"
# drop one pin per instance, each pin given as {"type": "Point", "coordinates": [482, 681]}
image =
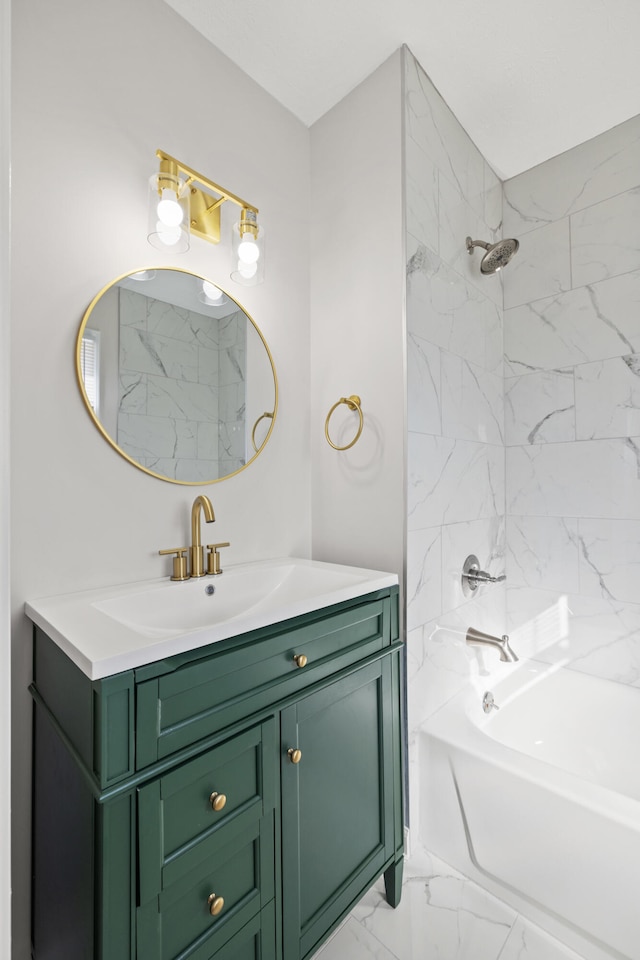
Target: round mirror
{"type": "Point", "coordinates": [176, 376]}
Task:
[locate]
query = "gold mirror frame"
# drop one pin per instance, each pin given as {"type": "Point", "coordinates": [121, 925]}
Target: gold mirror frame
{"type": "Point", "coordinates": [271, 416]}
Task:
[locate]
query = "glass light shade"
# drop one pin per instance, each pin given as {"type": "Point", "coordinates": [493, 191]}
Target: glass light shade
{"type": "Point", "coordinates": [168, 227]}
{"type": "Point", "coordinates": [212, 295]}
{"type": "Point", "coordinates": [247, 254]}
{"type": "Point", "coordinates": [211, 291]}
{"type": "Point", "coordinates": [142, 276]}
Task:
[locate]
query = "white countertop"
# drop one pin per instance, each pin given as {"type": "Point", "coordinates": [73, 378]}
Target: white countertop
{"type": "Point", "coordinates": [112, 629]}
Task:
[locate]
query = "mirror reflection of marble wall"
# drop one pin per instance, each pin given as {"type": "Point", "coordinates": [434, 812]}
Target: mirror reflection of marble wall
{"type": "Point", "coordinates": [177, 376]}
{"type": "Point", "coordinates": [181, 407]}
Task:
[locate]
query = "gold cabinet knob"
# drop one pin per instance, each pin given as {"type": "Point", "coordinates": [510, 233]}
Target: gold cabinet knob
{"type": "Point", "coordinates": [300, 659]}
{"type": "Point", "coordinates": [217, 800]}
{"type": "Point", "coordinates": [215, 904]}
{"type": "Point", "coordinates": [294, 754]}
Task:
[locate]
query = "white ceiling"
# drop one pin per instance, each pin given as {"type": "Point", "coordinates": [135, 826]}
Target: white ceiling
{"type": "Point", "coordinates": [526, 78]}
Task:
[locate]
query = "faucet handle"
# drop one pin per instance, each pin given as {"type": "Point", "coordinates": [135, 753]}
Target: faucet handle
{"type": "Point", "coordinates": [213, 558]}
{"type": "Point", "coordinates": [179, 562]}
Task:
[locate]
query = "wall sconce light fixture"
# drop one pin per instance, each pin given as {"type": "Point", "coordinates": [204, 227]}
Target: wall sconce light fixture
{"type": "Point", "coordinates": [182, 201]}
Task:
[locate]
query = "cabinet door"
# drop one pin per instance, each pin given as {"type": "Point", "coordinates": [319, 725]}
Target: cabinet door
{"type": "Point", "coordinates": [337, 801]}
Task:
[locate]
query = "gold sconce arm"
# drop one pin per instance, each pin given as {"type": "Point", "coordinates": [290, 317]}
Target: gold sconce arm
{"type": "Point", "coordinates": [205, 208]}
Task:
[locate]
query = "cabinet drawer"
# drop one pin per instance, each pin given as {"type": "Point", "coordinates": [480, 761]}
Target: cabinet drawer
{"type": "Point", "coordinates": [256, 940]}
{"type": "Point", "coordinates": [202, 697]}
{"type": "Point", "coordinates": [178, 826]}
{"type": "Point", "coordinates": [179, 921]}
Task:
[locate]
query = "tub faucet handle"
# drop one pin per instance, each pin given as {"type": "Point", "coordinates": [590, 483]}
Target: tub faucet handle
{"type": "Point", "coordinates": [472, 575]}
{"type": "Point", "coordinates": [488, 703]}
{"type": "Point", "coordinates": [482, 577]}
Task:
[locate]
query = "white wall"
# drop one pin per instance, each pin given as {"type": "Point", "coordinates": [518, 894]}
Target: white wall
{"type": "Point", "coordinates": [5, 647]}
{"type": "Point", "coordinates": [357, 324]}
{"type": "Point", "coordinates": [97, 88]}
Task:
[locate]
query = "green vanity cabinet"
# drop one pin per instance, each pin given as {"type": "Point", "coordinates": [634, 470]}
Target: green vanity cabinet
{"type": "Point", "coordinates": [173, 819]}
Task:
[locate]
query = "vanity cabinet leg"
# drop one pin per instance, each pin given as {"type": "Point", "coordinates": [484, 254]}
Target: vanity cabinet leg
{"type": "Point", "coordinates": [393, 882]}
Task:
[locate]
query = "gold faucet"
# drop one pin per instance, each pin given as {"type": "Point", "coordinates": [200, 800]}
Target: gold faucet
{"type": "Point", "coordinates": [197, 550]}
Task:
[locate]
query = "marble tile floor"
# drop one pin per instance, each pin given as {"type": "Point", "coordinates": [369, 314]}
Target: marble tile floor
{"type": "Point", "coordinates": [442, 916]}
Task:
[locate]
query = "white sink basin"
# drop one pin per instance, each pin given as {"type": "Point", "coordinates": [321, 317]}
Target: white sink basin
{"type": "Point", "coordinates": [168, 607]}
{"type": "Point", "coordinates": [117, 628]}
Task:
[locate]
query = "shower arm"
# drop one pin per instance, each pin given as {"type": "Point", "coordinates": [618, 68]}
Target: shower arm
{"type": "Point", "coordinates": [476, 243]}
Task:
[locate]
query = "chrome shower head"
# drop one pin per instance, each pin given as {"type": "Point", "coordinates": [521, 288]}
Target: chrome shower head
{"type": "Point", "coordinates": [497, 256]}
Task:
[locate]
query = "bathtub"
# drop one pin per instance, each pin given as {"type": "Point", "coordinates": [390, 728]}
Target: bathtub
{"type": "Point", "coordinates": [539, 801]}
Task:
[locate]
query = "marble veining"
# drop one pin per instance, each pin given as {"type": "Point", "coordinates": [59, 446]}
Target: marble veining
{"type": "Point", "coordinates": [448, 312]}
{"type": "Point", "coordinates": [543, 552]}
{"type": "Point", "coordinates": [526, 942]}
{"type": "Point", "coordinates": [592, 478]}
{"type": "Point", "coordinates": [133, 393]}
{"type": "Point", "coordinates": [608, 398]}
{"type": "Point", "coordinates": [432, 125]}
{"type": "Point", "coordinates": [181, 388]}
{"type": "Point", "coordinates": [149, 353]}
{"type": "Point", "coordinates": [424, 574]}
{"type": "Point", "coordinates": [422, 196]}
{"type": "Point", "coordinates": [472, 401]}
{"type": "Point", "coordinates": [540, 407]}
{"type": "Point", "coordinates": [593, 171]}
{"type": "Point", "coordinates": [492, 201]}
{"type": "Point", "coordinates": [452, 480]}
{"type": "Point", "coordinates": [605, 238]}
{"type": "Point", "coordinates": [596, 322]}
{"type": "Point", "coordinates": [542, 267]}
{"type": "Point", "coordinates": [610, 558]}
{"type": "Point", "coordinates": [457, 219]}
{"type": "Point", "coordinates": [424, 406]}
{"type": "Point", "coordinates": [442, 916]}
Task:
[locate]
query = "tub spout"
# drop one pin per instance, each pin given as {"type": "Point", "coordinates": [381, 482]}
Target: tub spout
{"type": "Point", "coordinates": [476, 638]}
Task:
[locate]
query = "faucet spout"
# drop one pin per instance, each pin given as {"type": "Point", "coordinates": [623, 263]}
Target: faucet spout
{"type": "Point", "coordinates": [476, 638]}
{"type": "Point", "coordinates": [197, 550]}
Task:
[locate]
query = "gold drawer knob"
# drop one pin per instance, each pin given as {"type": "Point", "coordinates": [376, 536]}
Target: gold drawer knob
{"type": "Point", "coordinates": [294, 754]}
{"type": "Point", "coordinates": [217, 800]}
{"type": "Point", "coordinates": [215, 904]}
{"type": "Point", "coordinates": [300, 659]}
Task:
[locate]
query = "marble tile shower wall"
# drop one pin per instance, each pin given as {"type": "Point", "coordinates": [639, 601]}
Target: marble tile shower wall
{"type": "Point", "coordinates": [182, 389]}
{"type": "Point", "coordinates": [455, 400]}
{"type": "Point", "coordinates": [572, 406]}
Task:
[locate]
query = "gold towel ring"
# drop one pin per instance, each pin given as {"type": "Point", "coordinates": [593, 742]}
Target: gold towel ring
{"type": "Point", "coordinates": [354, 403]}
{"type": "Point", "coordinates": [253, 432]}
